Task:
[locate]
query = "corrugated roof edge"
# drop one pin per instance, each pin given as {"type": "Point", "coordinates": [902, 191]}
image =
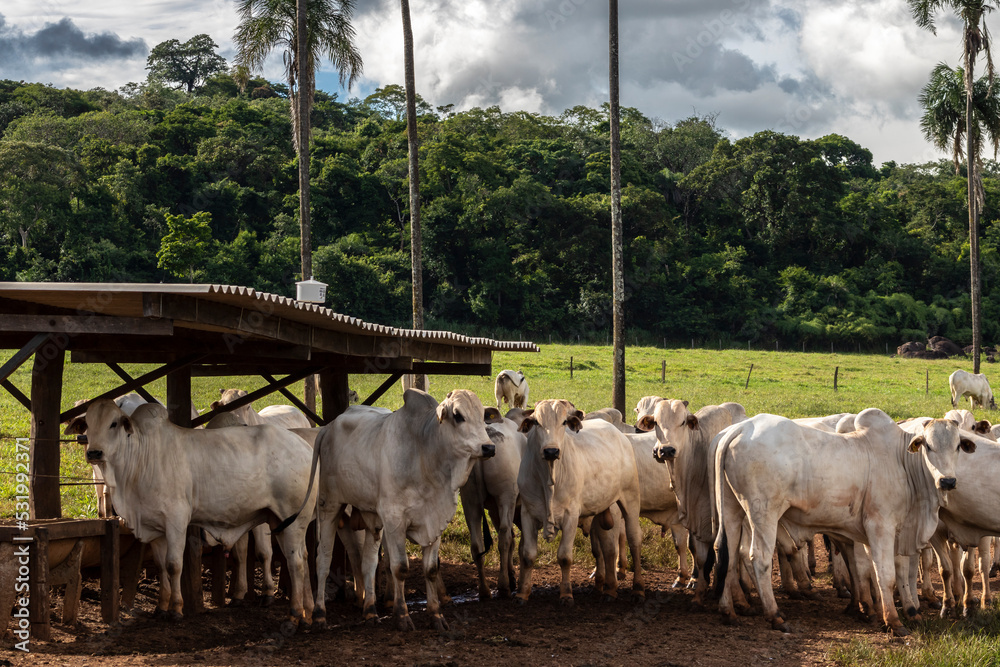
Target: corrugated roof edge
{"type": "Point", "coordinates": [207, 290]}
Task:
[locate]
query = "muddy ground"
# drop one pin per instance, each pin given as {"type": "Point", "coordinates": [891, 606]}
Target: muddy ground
{"type": "Point", "coordinates": [663, 630]}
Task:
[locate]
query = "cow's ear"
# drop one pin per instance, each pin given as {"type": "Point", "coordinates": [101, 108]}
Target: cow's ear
{"type": "Point", "coordinates": [647, 423]}
{"type": "Point", "coordinates": [214, 405]}
{"type": "Point", "coordinates": [579, 414]}
{"type": "Point", "coordinates": [221, 392]}
{"type": "Point", "coordinates": [492, 416]}
{"type": "Point", "coordinates": [78, 426]}
{"type": "Point", "coordinates": [685, 403]}
{"type": "Point", "coordinates": [127, 425]}
{"type": "Point", "coordinates": [574, 423]}
{"type": "Point", "coordinates": [917, 443]}
{"type": "Point", "coordinates": [982, 426]}
{"type": "Point", "coordinates": [526, 425]}
{"type": "Point", "coordinates": [966, 445]}
{"type": "Point", "coordinates": [443, 412]}
{"type": "Point", "coordinates": [692, 422]}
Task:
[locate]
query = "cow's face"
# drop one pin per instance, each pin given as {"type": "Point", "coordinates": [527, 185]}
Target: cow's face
{"type": "Point", "coordinates": [644, 408]}
{"type": "Point", "coordinates": [939, 444]}
{"type": "Point", "coordinates": [674, 425]}
{"type": "Point", "coordinates": [108, 430]}
{"type": "Point", "coordinates": [549, 426]}
{"type": "Point", "coordinates": [463, 419]}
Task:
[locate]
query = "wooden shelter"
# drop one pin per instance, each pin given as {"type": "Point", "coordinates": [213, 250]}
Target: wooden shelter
{"type": "Point", "coordinates": [201, 330]}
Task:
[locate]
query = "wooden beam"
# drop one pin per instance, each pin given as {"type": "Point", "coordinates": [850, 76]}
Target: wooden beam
{"type": "Point", "coordinates": [131, 386]}
{"type": "Point", "coordinates": [179, 396]}
{"type": "Point", "coordinates": [334, 391]}
{"type": "Point", "coordinates": [16, 393]}
{"type": "Point", "coordinates": [382, 388]}
{"type": "Point", "coordinates": [22, 355]}
{"type": "Point", "coordinates": [110, 575]}
{"type": "Point", "coordinates": [316, 419]}
{"type": "Point", "coordinates": [92, 324]}
{"type": "Point", "coordinates": [46, 396]}
{"type": "Point", "coordinates": [120, 372]}
{"type": "Point", "coordinates": [254, 395]}
{"type": "Point", "coordinates": [38, 599]}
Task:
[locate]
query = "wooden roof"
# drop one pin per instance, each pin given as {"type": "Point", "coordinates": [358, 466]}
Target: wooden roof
{"type": "Point", "coordinates": [149, 322]}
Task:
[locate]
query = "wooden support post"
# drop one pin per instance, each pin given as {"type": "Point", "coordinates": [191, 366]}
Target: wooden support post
{"type": "Point", "coordinates": [571, 368]}
{"type": "Point", "coordinates": [663, 371]}
{"type": "Point", "coordinates": [38, 602]}
{"type": "Point", "coordinates": [110, 576]}
{"type": "Point", "coordinates": [68, 574]}
{"type": "Point", "coordinates": [130, 565]}
{"type": "Point", "coordinates": [334, 392]}
{"type": "Point", "coordinates": [836, 372]}
{"type": "Point", "coordinates": [927, 382]}
{"type": "Point", "coordinates": [747, 385]}
{"type": "Point", "coordinates": [46, 397]}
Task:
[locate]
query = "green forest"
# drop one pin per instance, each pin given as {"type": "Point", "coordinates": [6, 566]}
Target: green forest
{"type": "Point", "coordinates": [769, 239]}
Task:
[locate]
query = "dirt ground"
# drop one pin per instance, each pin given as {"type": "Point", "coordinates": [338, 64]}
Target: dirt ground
{"type": "Point", "coordinates": [661, 631]}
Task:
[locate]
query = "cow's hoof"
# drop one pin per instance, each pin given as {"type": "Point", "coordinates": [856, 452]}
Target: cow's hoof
{"type": "Point", "coordinates": [729, 619]}
{"type": "Point", "coordinates": [779, 624]}
{"type": "Point", "coordinates": [995, 570]}
{"type": "Point", "coordinates": [160, 614]}
{"type": "Point", "coordinates": [404, 623]}
{"type": "Point", "coordinates": [439, 623]}
{"type": "Point", "coordinates": [235, 603]}
{"type": "Point", "coordinates": [934, 604]}
{"type": "Point", "coordinates": [900, 631]}
{"type": "Point", "coordinates": [485, 594]}
{"type": "Point", "coordinates": [371, 620]}
{"type": "Point", "coordinates": [445, 600]}
{"type": "Point", "coordinates": [502, 593]}
{"type": "Point", "coordinates": [843, 594]}
{"type": "Point", "coordinates": [691, 585]}
{"type": "Point", "coordinates": [319, 619]}
{"type": "Point", "coordinates": [174, 616]}
{"type": "Point", "coordinates": [794, 595]}
{"type": "Point", "coordinates": [678, 583]}
{"type": "Point", "coordinates": [608, 597]}
{"type": "Point", "coordinates": [521, 599]}
{"type": "Point", "coordinates": [566, 600]}
{"type": "Point", "coordinates": [266, 600]}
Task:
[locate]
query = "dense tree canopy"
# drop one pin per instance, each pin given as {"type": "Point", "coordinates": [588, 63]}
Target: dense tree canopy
{"type": "Point", "coordinates": [764, 238]}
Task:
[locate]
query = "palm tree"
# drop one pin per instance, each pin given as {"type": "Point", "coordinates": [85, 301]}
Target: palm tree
{"type": "Point", "coordinates": [975, 39]}
{"type": "Point", "coordinates": [307, 31]}
{"type": "Point", "coordinates": [618, 262]}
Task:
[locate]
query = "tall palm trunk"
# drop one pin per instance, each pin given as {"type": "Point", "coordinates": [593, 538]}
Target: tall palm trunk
{"type": "Point", "coordinates": [413, 141]}
{"type": "Point", "coordinates": [303, 93]}
{"type": "Point", "coordinates": [618, 262]}
{"type": "Point", "coordinates": [971, 180]}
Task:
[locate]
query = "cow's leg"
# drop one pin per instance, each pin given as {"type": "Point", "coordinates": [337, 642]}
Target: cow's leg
{"type": "Point", "coordinates": [680, 536]}
{"type": "Point", "coordinates": [811, 556]}
{"type": "Point", "coordinates": [327, 519]}
{"type": "Point", "coordinates": [995, 568]}
{"type": "Point", "coordinates": [733, 525]}
{"type": "Point", "coordinates": [633, 531]}
{"type": "Point", "coordinates": [175, 539]}
{"type": "Point", "coordinates": [598, 544]}
{"type": "Point", "coordinates": [504, 524]}
{"type": "Point", "coordinates": [394, 541]}
{"type": "Point", "coordinates": [882, 550]}
{"type": "Point", "coordinates": [763, 536]}
{"type": "Point", "coordinates": [353, 547]}
{"type": "Point", "coordinates": [475, 520]}
{"type": "Point", "coordinates": [788, 584]}
{"type": "Point", "coordinates": [369, 569]}
{"type": "Point", "coordinates": [967, 561]}
{"type": "Point", "coordinates": [926, 585]}
{"type": "Point", "coordinates": [622, 569]}
{"type": "Point", "coordinates": [265, 553]}
{"type": "Point", "coordinates": [939, 543]}
{"type": "Point", "coordinates": [565, 557]}
{"type": "Point", "coordinates": [159, 548]}
{"type": "Point", "coordinates": [239, 552]}
{"type": "Point", "coordinates": [528, 551]}
{"type": "Point", "coordinates": [984, 571]}
{"type": "Point", "coordinates": [293, 546]}
{"type": "Point", "coordinates": [906, 584]}
{"type": "Point", "coordinates": [432, 581]}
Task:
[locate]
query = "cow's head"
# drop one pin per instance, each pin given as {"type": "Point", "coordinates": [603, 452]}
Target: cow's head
{"type": "Point", "coordinates": [645, 407]}
{"type": "Point", "coordinates": [108, 431]}
{"type": "Point", "coordinates": [939, 444]}
{"type": "Point", "coordinates": [674, 424]}
{"type": "Point", "coordinates": [463, 420]}
{"type": "Point", "coordinates": [549, 428]}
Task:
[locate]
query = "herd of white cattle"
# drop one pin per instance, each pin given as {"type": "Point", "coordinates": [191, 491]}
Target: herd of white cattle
{"type": "Point", "coordinates": [888, 496]}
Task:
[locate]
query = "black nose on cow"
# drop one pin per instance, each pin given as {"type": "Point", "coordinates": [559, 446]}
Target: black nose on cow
{"type": "Point", "coordinates": [95, 455]}
{"type": "Point", "coordinates": [550, 453]}
{"type": "Point", "coordinates": [947, 483]}
{"type": "Point", "coordinates": [489, 451]}
{"type": "Point", "coordinates": [664, 454]}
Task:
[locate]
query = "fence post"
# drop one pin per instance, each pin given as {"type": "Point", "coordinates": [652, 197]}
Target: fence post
{"type": "Point", "coordinates": [927, 382]}
{"type": "Point", "coordinates": [571, 368]}
{"type": "Point", "coordinates": [663, 371]}
{"type": "Point", "coordinates": [836, 372]}
{"type": "Point", "coordinates": [747, 385]}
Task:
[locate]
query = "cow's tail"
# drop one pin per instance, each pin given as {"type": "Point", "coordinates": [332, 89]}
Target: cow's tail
{"type": "Point", "coordinates": [719, 485]}
{"type": "Point", "coordinates": [487, 539]}
{"type": "Point", "coordinates": [312, 478]}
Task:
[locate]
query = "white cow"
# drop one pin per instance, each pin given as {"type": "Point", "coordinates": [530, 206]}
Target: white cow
{"type": "Point", "coordinates": [492, 486]}
{"type": "Point", "coordinates": [164, 478]}
{"type": "Point", "coordinates": [973, 385]}
{"type": "Point", "coordinates": [879, 486]}
{"type": "Point", "coordinates": [511, 387]}
{"type": "Point", "coordinates": [683, 443]}
{"type": "Point", "coordinates": [572, 470]}
{"type": "Point", "coordinates": [613, 417]}
{"type": "Point", "coordinates": [402, 470]}
{"type": "Point", "coordinates": [285, 416]}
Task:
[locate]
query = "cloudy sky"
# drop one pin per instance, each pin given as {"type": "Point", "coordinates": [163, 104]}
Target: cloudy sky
{"type": "Point", "coordinates": [804, 67]}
